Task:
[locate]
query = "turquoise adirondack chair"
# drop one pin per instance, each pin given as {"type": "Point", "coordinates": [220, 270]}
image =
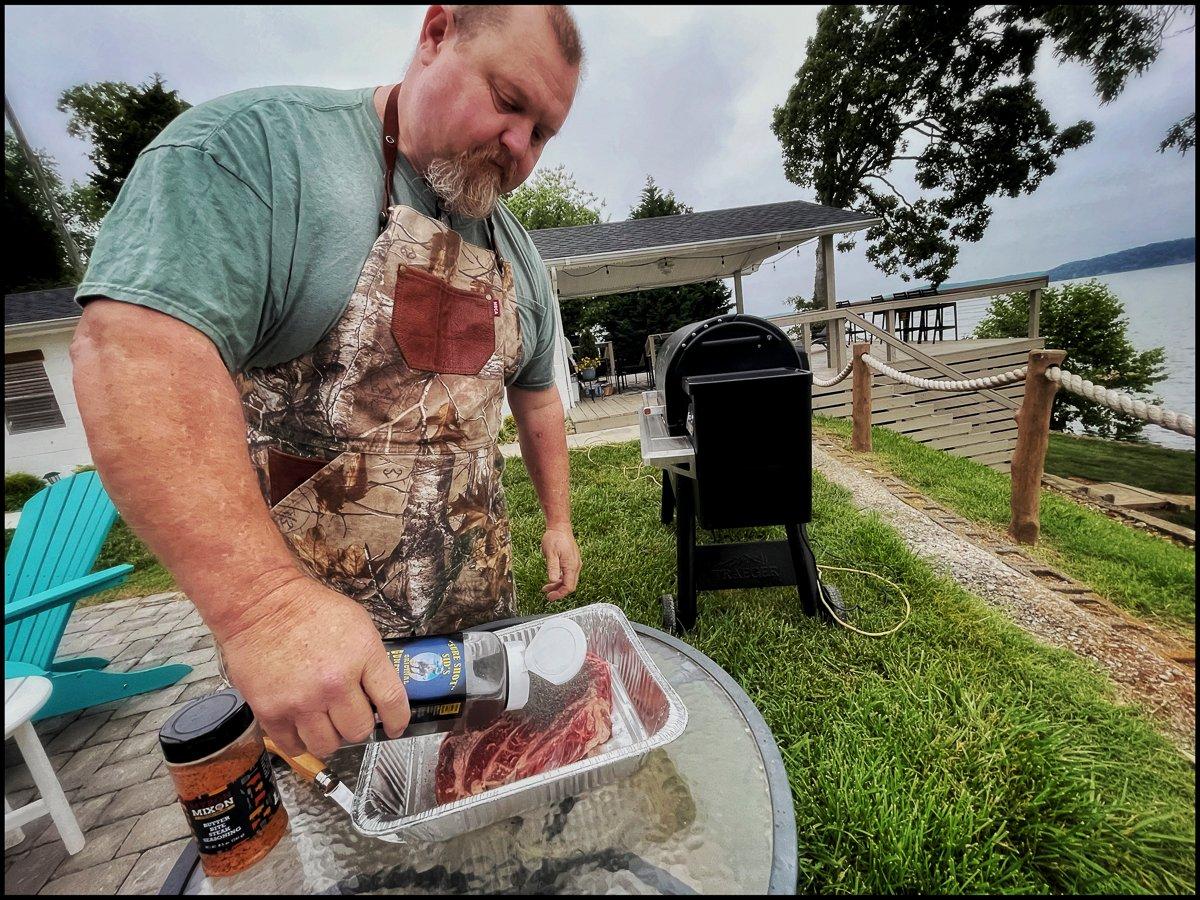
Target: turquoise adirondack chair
{"type": "Point", "coordinates": [46, 571]}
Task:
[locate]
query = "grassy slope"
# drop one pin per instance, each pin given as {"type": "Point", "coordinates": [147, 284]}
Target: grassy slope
{"type": "Point", "coordinates": [955, 756]}
{"type": "Point", "coordinates": [1141, 465]}
{"type": "Point", "coordinates": [1144, 574]}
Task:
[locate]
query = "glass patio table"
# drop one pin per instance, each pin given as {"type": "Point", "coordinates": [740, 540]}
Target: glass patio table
{"type": "Point", "coordinates": [709, 813]}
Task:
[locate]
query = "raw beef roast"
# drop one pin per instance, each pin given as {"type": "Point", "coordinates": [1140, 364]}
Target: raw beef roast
{"type": "Point", "coordinates": [562, 725]}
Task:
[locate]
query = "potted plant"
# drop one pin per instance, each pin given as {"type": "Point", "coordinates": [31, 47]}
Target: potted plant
{"type": "Point", "coordinates": [585, 366]}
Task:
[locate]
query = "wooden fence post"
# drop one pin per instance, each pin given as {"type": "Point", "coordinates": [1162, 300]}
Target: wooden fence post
{"type": "Point", "coordinates": [1033, 437]}
{"type": "Point", "coordinates": [861, 394]}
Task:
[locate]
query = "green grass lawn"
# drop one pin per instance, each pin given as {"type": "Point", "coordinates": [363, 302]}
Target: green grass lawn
{"type": "Point", "coordinates": [1141, 465]}
{"type": "Point", "coordinates": [956, 755]}
{"type": "Point", "coordinates": [1144, 574]}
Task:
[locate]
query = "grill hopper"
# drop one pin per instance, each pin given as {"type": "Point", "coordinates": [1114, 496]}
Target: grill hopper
{"type": "Point", "coordinates": [731, 425]}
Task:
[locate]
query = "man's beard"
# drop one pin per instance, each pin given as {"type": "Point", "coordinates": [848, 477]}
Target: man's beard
{"type": "Point", "coordinates": [467, 184]}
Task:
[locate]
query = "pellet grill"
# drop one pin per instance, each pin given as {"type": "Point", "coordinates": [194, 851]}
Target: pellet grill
{"type": "Point", "coordinates": [730, 425]}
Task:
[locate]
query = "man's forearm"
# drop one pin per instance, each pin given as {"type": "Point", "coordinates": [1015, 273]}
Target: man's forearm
{"type": "Point", "coordinates": [165, 428]}
{"type": "Point", "coordinates": [539, 417]}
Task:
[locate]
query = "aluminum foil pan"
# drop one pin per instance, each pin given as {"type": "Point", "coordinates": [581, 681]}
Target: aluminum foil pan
{"type": "Point", "coordinates": [396, 801]}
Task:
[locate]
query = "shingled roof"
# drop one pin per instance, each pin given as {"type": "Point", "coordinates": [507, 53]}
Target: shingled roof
{"type": "Point", "coordinates": [672, 231]}
{"type": "Point", "coordinates": [40, 306]}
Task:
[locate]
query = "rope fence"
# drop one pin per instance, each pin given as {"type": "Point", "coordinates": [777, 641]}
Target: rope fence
{"type": "Point", "coordinates": [840, 376]}
{"type": "Point", "coordinates": [970, 384]}
{"type": "Point", "coordinates": [1042, 376]}
{"type": "Point", "coordinates": [1124, 403]}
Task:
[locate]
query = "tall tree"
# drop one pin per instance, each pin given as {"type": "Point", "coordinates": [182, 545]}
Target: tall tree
{"type": "Point", "coordinates": [628, 318]}
{"type": "Point", "coordinates": [35, 254]}
{"type": "Point", "coordinates": [552, 199]}
{"type": "Point", "coordinates": [118, 120]}
{"type": "Point", "coordinates": [944, 94]}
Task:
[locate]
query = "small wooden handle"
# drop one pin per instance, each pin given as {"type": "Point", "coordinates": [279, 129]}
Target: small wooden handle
{"type": "Point", "coordinates": [305, 765]}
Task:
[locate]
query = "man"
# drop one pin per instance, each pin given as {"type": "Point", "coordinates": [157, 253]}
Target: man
{"type": "Point", "coordinates": [341, 255]}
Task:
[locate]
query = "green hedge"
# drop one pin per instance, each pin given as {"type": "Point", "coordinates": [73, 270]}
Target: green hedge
{"type": "Point", "coordinates": [18, 488]}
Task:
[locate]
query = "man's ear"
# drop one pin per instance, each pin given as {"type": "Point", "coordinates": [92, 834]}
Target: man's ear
{"type": "Point", "coordinates": [437, 28]}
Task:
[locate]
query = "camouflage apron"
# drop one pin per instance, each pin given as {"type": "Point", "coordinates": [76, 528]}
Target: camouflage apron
{"type": "Point", "coordinates": [377, 450]}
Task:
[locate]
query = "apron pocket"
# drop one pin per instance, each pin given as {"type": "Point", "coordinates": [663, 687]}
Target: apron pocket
{"type": "Point", "coordinates": [286, 472]}
{"type": "Point", "coordinates": [442, 329]}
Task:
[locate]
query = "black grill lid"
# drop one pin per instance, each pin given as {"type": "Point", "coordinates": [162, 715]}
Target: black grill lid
{"type": "Point", "coordinates": [721, 345]}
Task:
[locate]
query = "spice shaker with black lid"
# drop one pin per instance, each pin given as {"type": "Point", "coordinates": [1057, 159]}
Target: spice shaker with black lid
{"type": "Point", "coordinates": [222, 773]}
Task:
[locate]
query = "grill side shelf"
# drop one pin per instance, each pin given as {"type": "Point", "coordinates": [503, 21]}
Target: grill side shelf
{"type": "Point", "coordinates": [659, 448]}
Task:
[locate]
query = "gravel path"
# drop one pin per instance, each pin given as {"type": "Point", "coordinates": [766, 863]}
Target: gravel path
{"type": "Point", "coordinates": [1138, 667]}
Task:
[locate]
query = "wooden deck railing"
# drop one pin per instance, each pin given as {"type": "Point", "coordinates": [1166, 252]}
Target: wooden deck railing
{"type": "Point", "coordinates": [836, 317]}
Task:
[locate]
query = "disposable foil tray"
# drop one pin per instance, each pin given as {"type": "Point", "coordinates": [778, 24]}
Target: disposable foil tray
{"type": "Point", "coordinates": [395, 799]}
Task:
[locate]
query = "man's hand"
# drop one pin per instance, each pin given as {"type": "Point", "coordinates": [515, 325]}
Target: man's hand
{"type": "Point", "coordinates": [311, 667]}
{"type": "Point", "coordinates": [562, 562]}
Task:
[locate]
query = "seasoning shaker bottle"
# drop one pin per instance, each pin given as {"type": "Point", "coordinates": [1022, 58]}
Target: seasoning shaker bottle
{"type": "Point", "coordinates": [222, 773]}
{"type": "Point", "coordinates": [468, 679]}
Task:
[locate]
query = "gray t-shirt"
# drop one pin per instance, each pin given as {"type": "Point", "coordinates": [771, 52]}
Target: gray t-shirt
{"type": "Point", "coordinates": [250, 217]}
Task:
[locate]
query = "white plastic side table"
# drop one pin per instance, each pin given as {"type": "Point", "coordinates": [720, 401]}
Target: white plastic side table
{"type": "Point", "coordinates": [23, 697]}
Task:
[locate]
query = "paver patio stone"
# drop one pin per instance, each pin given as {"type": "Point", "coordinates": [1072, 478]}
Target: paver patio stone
{"type": "Point", "coordinates": [48, 728]}
{"type": "Point", "coordinates": [76, 735]}
{"type": "Point", "coordinates": [184, 633]}
{"type": "Point", "coordinates": [154, 794]}
{"type": "Point", "coordinates": [203, 688]}
{"type": "Point", "coordinates": [134, 746]}
{"type": "Point", "coordinates": [78, 644]}
{"type": "Point", "coordinates": [155, 630]}
{"type": "Point", "coordinates": [21, 797]}
{"type": "Point", "coordinates": [117, 728]}
{"type": "Point", "coordinates": [144, 703]}
{"type": "Point", "coordinates": [83, 764]}
{"type": "Point", "coordinates": [88, 814]}
{"type": "Point", "coordinates": [18, 778]}
{"type": "Point", "coordinates": [154, 719]}
{"type": "Point", "coordinates": [28, 874]}
{"type": "Point", "coordinates": [152, 869]}
{"type": "Point", "coordinates": [101, 846]}
{"type": "Point", "coordinates": [199, 673]}
{"type": "Point", "coordinates": [115, 776]}
{"type": "Point", "coordinates": [187, 658]}
{"type": "Point", "coordinates": [135, 650]}
{"type": "Point", "coordinates": [159, 826]}
{"type": "Point", "coordinates": [102, 879]}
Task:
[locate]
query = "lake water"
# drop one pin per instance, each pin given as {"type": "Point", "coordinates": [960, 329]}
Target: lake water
{"type": "Point", "coordinates": [1160, 305]}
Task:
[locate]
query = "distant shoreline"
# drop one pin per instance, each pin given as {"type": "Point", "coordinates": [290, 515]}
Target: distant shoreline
{"type": "Point", "coordinates": [1149, 256]}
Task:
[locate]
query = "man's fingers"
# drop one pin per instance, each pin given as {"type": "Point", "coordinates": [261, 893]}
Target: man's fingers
{"type": "Point", "coordinates": [285, 737]}
{"type": "Point", "coordinates": [353, 718]}
{"type": "Point", "coordinates": [553, 569]}
{"type": "Point", "coordinates": [571, 574]}
{"type": "Point", "coordinates": [386, 693]}
{"type": "Point", "coordinates": [319, 736]}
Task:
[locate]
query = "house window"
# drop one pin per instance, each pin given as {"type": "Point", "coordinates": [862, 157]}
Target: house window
{"type": "Point", "coordinates": [29, 403]}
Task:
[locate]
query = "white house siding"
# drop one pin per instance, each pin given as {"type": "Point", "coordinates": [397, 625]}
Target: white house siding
{"type": "Point", "coordinates": [55, 449]}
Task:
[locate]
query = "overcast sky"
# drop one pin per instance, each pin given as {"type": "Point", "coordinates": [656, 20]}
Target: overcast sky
{"type": "Point", "coordinates": [683, 93]}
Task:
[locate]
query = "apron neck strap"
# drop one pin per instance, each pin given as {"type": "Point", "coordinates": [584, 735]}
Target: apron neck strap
{"type": "Point", "coordinates": [391, 135]}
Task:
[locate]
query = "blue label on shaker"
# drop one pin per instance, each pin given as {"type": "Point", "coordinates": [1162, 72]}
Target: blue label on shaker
{"type": "Point", "coordinates": [432, 669]}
